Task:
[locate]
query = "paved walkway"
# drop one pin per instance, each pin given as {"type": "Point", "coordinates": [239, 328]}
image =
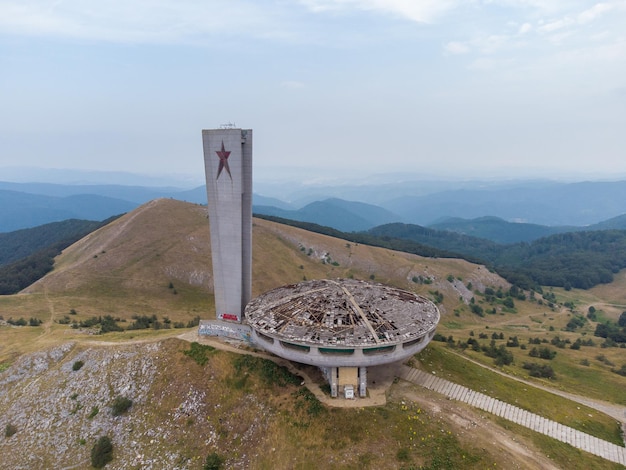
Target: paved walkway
{"type": "Point", "coordinates": [575, 438]}
{"type": "Point", "coordinates": [615, 411]}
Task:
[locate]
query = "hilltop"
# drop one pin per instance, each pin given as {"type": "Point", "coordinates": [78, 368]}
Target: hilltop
{"type": "Point", "coordinates": [156, 261]}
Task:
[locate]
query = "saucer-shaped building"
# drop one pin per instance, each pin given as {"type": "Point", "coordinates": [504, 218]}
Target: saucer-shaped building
{"type": "Point", "coordinates": [343, 326]}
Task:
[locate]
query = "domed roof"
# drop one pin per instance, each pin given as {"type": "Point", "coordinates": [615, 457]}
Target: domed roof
{"type": "Point", "coordinates": [342, 312]}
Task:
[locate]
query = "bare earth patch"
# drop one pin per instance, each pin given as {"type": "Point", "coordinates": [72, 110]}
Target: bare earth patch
{"type": "Point", "coordinates": [474, 428]}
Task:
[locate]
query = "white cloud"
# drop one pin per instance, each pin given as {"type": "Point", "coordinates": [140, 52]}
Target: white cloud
{"type": "Point", "coordinates": [292, 84]}
{"type": "Point", "coordinates": [526, 27]}
{"type": "Point", "coordinates": [424, 11]}
{"type": "Point", "coordinates": [482, 63]}
{"type": "Point", "coordinates": [594, 12]}
{"type": "Point", "coordinates": [488, 45]}
{"type": "Point", "coordinates": [572, 19]}
{"type": "Point", "coordinates": [494, 43]}
{"type": "Point", "coordinates": [136, 20]}
{"type": "Point", "coordinates": [455, 47]}
{"type": "Point", "coordinates": [556, 25]}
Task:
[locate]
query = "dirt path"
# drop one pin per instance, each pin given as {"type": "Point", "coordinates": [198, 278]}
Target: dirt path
{"type": "Point", "coordinates": [376, 392]}
{"type": "Point", "coordinates": [474, 429]}
{"type": "Point", "coordinates": [380, 378]}
{"type": "Point", "coordinates": [471, 426]}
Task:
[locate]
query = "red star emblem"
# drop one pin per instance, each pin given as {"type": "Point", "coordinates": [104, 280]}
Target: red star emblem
{"type": "Point", "coordinates": [223, 154]}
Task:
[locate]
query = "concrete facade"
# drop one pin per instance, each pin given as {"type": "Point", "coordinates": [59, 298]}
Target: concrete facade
{"type": "Point", "coordinates": [357, 356]}
{"type": "Point", "coordinates": [342, 326]}
{"type": "Point", "coordinates": [225, 329]}
{"type": "Point", "coordinates": [228, 170]}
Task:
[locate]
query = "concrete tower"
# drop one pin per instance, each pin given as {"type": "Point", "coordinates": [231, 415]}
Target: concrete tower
{"type": "Point", "coordinates": [228, 168]}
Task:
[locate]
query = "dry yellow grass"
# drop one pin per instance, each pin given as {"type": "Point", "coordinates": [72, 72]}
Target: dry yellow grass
{"type": "Point", "coordinates": [186, 410]}
{"type": "Point", "coordinates": [157, 260]}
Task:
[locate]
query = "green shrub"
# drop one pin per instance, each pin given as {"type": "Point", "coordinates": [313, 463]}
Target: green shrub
{"type": "Point", "coordinates": [539, 370]}
{"type": "Point", "coordinates": [477, 309]}
{"type": "Point", "coordinates": [543, 353]}
{"type": "Point", "coordinates": [120, 405]}
{"type": "Point", "coordinates": [94, 411]}
{"type": "Point", "coordinates": [309, 402]}
{"type": "Point", "coordinates": [270, 372]}
{"type": "Point", "coordinates": [403, 454]}
{"type": "Point", "coordinates": [77, 365]}
{"type": "Point", "coordinates": [437, 296]}
{"type": "Point", "coordinates": [501, 356]}
{"type": "Point", "coordinates": [621, 371]}
{"type": "Point", "coordinates": [101, 452]}
{"type": "Point", "coordinates": [199, 353]}
{"type": "Point", "coordinates": [108, 324]}
{"type": "Point", "coordinates": [194, 322]}
{"type": "Point", "coordinates": [143, 322]}
{"type": "Point", "coordinates": [9, 430]}
{"type": "Point", "coordinates": [213, 462]}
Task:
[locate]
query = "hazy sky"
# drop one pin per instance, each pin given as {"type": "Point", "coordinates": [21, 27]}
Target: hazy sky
{"type": "Point", "coordinates": [335, 87]}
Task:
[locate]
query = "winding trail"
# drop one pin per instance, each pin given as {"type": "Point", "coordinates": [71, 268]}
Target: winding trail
{"type": "Point", "coordinates": [560, 432]}
{"type": "Point", "coordinates": [383, 378]}
{"type": "Point", "coordinates": [537, 423]}
{"type": "Point", "coordinates": [610, 409]}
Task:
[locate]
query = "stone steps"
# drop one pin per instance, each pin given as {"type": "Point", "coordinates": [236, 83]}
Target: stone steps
{"type": "Point", "coordinates": [573, 437]}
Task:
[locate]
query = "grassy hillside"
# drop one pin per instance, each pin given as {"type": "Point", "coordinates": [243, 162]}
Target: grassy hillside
{"type": "Point", "coordinates": [244, 410]}
{"type": "Point", "coordinates": [156, 261]}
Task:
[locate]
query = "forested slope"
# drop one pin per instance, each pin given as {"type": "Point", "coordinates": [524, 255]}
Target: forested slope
{"type": "Point", "coordinates": [27, 255]}
{"type": "Point", "coordinates": [573, 259]}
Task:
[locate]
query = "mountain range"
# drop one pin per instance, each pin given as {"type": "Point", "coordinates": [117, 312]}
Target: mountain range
{"type": "Point", "coordinates": [506, 212]}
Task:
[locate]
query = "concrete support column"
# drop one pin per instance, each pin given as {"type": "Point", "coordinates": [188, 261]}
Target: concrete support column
{"type": "Point", "coordinates": [362, 382]}
{"type": "Point", "coordinates": [333, 382]}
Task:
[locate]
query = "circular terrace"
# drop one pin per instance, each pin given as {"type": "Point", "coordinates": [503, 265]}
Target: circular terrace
{"type": "Point", "coordinates": [342, 322]}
